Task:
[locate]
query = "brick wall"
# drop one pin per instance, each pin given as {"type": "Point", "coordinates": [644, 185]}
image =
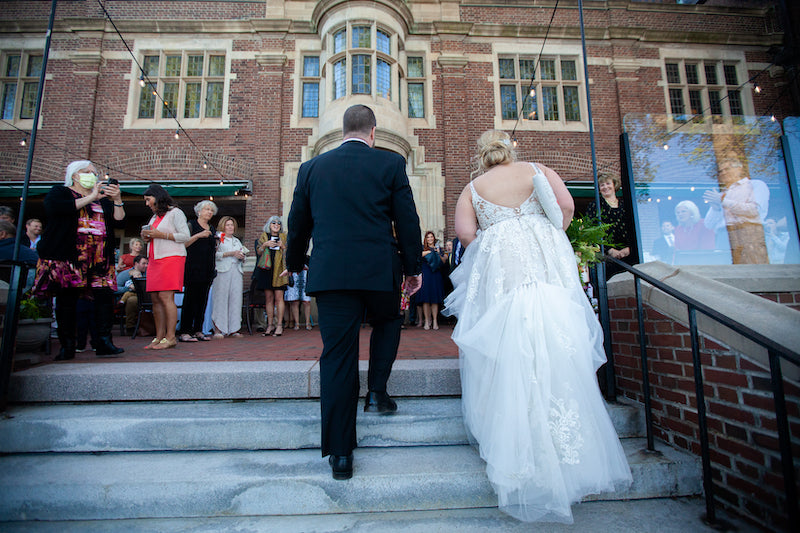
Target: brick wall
{"type": "Point", "coordinates": [789, 299]}
{"type": "Point", "coordinates": [742, 429]}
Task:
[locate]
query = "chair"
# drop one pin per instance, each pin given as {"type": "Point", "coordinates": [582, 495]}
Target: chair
{"type": "Point", "coordinates": [145, 303]}
{"type": "Point", "coordinates": [252, 299]}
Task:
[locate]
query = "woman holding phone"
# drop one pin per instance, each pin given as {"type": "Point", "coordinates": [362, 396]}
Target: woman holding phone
{"type": "Point", "coordinates": [270, 247]}
{"type": "Point", "coordinates": [164, 234]}
{"type": "Point", "coordinates": [76, 253]}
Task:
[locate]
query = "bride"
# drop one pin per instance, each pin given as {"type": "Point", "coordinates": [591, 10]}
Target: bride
{"type": "Point", "coordinates": [529, 342]}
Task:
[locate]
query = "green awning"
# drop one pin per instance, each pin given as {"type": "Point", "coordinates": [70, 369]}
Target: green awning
{"type": "Point", "coordinates": [177, 188]}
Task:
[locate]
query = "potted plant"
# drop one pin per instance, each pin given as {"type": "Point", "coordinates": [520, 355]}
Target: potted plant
{"type": "Point", "coordinates": [33, 328]}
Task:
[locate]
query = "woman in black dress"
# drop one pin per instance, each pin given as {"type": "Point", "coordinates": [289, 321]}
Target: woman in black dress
{"type": "Point", "coordinates": [199, 272]}
{"type": "Point", "coordinates": [614, 212]}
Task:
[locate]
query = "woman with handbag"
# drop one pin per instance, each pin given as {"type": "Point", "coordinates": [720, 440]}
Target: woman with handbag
{"type": "Point", "coordinates": [270, 247]}
{"type": "Point", "coordinates": [431, 294]}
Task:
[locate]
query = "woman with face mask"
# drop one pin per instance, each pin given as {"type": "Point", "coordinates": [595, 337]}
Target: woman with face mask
{"type": "Point", "coordinates": [76, 253]}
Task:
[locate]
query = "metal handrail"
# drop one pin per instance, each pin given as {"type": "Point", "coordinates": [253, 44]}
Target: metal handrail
{"type": "Point", "coordinates": [776, 353]}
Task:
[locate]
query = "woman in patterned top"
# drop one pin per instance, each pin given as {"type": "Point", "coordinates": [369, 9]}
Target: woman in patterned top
{"type": "Point", "coordinates": [76, 253]}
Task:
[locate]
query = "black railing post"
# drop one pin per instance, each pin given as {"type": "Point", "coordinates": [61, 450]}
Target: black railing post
{"type": "Point", "coordinates": [648, 414]}
{"type": "Point", "coordinates": [708, 481]}
{"type": "Point", "coordinates": [784, 438]}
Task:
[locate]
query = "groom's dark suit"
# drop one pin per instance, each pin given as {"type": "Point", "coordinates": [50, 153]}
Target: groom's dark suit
{"type": "Point", "coordinates": [356, 204]}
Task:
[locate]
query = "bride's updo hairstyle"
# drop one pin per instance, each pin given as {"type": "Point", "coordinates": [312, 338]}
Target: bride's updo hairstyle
{"type": "Point", "coordinates": [494, 148]}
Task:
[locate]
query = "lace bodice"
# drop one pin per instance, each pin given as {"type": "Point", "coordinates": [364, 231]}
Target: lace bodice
{"type": "Point", "coordinates": [489, 213]}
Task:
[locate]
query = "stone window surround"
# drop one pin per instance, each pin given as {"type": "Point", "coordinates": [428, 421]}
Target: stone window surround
{"type": "Point", "coordinates": [684, 55]}
{"type": "Point", "coordinates": [144, 47]}
{"type": "Point", "coordinates": [531, 50]}
{"type": "Point", "coordinates": [31, 46]}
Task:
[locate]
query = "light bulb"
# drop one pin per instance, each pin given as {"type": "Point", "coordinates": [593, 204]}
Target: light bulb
{"type": "Point", "coordinates": [533, 93]}
{"type": "Point", "coordinates": [757, 89]}
{"type": "Point", "coordinates": [23, 142]}
{"type": "Point", "coordinates": [669, 197]}
{"type": "Point", "coordinates": [177, 135]}
{"type": "Point", "coordinates": [221, 182]}
{"type": "Point", "coordinates": [772, 118]}
{"type": "Point", "coordinates": [141, 81]}
{"type": "Point", "coordinates": [666, 146]}
{"type": "Point", "coordinates": [691, 189]}
{"type": "Point", "coordinates": [154, 92]}
{"type": "Point", "coordinates": [211, 198]}
{"type": "Point", "coordinates": [205, 164]}
{"type": "Point", "coordinates": [514, 143]}
{"type": "Point", "coordinates": [106, 176]}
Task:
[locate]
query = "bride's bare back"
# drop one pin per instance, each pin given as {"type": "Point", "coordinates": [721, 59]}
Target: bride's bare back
{"type": "Point", "coordinates": [507, 185]}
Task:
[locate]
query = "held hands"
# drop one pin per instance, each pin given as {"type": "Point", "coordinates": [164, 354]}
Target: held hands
{"type": "Point", "coordinates": [413, 284]}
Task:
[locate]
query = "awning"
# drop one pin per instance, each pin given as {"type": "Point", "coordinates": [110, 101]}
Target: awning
{"type": "Point", "coordinates": [176, 188]}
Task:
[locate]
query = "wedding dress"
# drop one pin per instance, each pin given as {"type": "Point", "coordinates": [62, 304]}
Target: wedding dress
{"type": "Point", "coordinates": [529, 346]}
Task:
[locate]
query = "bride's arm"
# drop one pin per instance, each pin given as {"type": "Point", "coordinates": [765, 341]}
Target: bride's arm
{"type": "Point", "coordinates": [466, 221]}
{"type": "Point", "coordinates": [563, 197]}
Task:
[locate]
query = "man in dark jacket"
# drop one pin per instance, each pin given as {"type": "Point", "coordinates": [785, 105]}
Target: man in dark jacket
{"type": "Point", "coordinates": [356, 204]}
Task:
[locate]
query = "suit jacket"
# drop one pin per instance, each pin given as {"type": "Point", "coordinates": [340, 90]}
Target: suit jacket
{"type": "Point", "coordinates": [356, 204]}
{"type": "Point", "coordinates": [663, 251]}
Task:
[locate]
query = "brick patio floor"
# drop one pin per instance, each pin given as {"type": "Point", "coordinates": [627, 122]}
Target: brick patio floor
{"type": "Point", "coordinates": [301, 345]}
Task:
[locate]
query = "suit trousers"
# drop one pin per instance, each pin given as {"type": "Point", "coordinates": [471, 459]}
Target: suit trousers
{"type": "Point", "coordinates": [340, 317]}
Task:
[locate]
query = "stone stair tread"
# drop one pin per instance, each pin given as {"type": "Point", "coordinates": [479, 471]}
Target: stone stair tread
{"type": "Point", "coordinates": [224, 425]}
{"type": "Point", "coordinates": [78, 486]}
{"type": "Point", "coordinates": [638, 516]}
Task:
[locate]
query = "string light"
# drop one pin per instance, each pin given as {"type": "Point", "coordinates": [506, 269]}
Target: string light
{"type": "Point", "coordinates": [24, 141]}
{"type": "Point", "coordinates": [533, 93]}
{"type": "Point", "coordinates": [757, 89]}
{"type": "Point", "coordinates": [666, 146]}
{"type": "Point", "coordinates": [211, 198]}
{"type": "Point", "coordinates": [205, 164]}
{"type": "Point", "coordinates": [141, 80]}
{"type": "Point", "coordinates": [669, 197]}
{"type": "Point", "coordinates": [177, 134]}
{"type": "Point", "coordinates": [772, 118]}
{"type": "Point", "coordinates": [221, 182]}
{"type": "Point", "coordinates": [514, 143]}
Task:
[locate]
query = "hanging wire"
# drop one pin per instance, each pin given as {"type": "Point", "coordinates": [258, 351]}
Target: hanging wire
{"type": "Point", "coordinates": [73, 154]}
{"type": "Point", "coordinates": [146, 78]}
{"type": "Point", "coordinates": [533, 78]}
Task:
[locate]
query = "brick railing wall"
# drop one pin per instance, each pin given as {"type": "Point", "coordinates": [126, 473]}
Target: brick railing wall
{"type": "Point", "coordinates": [789, 299]}
{"type": "Point", "coordinates": [742, 429]}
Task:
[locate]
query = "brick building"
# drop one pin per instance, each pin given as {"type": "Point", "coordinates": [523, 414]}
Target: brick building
{"type": "Point", "coordinates": [258, 87]}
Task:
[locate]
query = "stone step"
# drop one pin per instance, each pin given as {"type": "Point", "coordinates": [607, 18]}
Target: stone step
{"type": "Point", "coordinates": [677, 515]}
{"type": "Point", "coordinates": [238, 380]}
{"type": "Point", "coordinates": [235, 425]}
{"type": "Point", "coordinates": [94, 486]}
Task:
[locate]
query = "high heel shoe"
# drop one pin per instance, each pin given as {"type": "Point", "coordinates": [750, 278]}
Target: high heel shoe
{"type": "Point", "coordinates": [270, 330]}
{"type": "Point", "coordinates": [278, 331]}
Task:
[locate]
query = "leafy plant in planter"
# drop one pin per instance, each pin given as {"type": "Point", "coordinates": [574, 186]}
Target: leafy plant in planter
{"type": "Point", "coordinates": [33, 308]}
{"type": "Point", "coordinates": [33, 327]}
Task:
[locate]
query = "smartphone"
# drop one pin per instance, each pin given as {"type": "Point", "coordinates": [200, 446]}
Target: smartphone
{"type": "Point", "coordinates": [113, 181]}
{"type": "Point", "coordinates": [146, 227]}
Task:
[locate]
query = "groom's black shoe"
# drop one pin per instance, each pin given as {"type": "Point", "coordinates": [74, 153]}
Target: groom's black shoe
{"type": "Point", "coordinates": [379, 402]}
{"type": "Point", "coordinates": [341, 466]}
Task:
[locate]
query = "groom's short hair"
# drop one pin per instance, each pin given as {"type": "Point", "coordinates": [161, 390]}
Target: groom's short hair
{"type": "Point", "coordinates": [358, 119]}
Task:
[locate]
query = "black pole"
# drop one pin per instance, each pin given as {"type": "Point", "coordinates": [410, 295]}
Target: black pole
{"type": "Point", "coordinates": [10, 329]}
{"type": "Point", "coordinates": [602, 292]}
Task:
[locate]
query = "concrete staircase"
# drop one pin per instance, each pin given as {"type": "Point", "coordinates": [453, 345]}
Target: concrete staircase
{"type": "Point", "coordinates": [121, 463]}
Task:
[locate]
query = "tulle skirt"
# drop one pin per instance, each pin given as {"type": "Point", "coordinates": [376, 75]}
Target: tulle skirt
{"type": "Point", "coordinates": [529, 346]}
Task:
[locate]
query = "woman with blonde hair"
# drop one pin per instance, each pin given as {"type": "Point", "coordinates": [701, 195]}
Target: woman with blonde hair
{"type": "Point", "coordinates": [135, 247]}
{"type": "Point", "coordinates": [529, 342]}
{"type": "Point", "coordinates": [226, 290]}
{"type": "Point", "coordinates": [614, 212]}
{"type": "Point", "coordinates": [270, 247]}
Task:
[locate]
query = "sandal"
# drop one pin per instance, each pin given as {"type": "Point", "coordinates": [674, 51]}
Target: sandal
{"type": "Point", "coordinates": [201, 336]}
{"type": "Point", "coordinates": [218, 335]}
{"type": "Point", "coordinates": [153, 344]}
{"type": "Point", "coordinates": [165, 344]}
{"type": "Point", "coordinates": [187, 338]}
{"type": "Point", "coordinates": [270, 330]}
{"type": "Point", "coordinates": [278, 331]}
{"type": "Point", "coordinates": [237, 334]}
{"type": "Point", "coordinates": [309, 328]}
{"type": "Point", "coordinates": [296, 328]}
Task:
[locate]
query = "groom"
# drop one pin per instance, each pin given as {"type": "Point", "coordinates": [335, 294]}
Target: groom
{"type": "Point", "coordinates": [356, 203]}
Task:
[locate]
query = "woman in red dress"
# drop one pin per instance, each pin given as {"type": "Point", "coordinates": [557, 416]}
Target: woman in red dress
{"type": "Point", "coordinates": [164, 234]}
